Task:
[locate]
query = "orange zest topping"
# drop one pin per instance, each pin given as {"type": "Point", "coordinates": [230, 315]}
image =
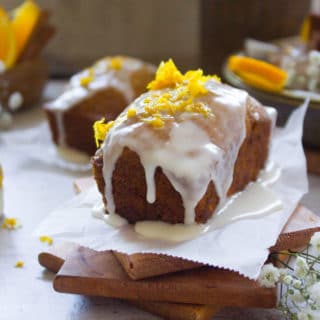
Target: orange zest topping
{"type": "Point", "coordinates": [11, 224]}
{"type": "Point", "coordinates": [116, 63]}
{"type": "Point", "coordinates": [46, 239]}
{"type": "Point", "coordinates": [1, 177]}
{"type": "Point", "coordinates": [8, 50]}
{"type": "Point", "coordinates": [167, 76]}
{"type": "Point", "coordinates": [101, 129]}
{"type": "Point", "coordinates": [131, 113]}
{"type": "Point", "coordinates": [25, 18]}
{"type": "Point", "coordinates": [171, 93]}
{"type": "Point", "coordinates": [19, 264]}
{"type": "Point", "coordinates": [85, 80]}
{"type": "Point", "coordinates": [257, 73]}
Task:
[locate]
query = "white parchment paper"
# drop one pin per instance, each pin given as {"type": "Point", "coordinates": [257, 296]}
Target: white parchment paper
{"type": "Point", "coordinates": [241, 246]}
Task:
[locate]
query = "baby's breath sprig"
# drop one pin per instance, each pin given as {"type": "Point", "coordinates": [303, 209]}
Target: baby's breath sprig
{"type": "Point", "coordinates": [299, 280]}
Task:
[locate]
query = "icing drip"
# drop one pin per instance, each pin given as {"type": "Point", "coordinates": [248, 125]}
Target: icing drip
{"type": "Point", "coordinates": [191, 149]}
{"type": "Point", "coordinates": [60, 129]}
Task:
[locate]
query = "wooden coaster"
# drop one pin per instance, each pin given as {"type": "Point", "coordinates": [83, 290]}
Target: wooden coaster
{"type": "Point", "coordinates": [55, 257]}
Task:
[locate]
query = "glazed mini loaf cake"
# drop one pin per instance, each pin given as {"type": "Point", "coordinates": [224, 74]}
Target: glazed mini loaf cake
{"type": "Point", "coordinates": [181, 149]}
{"type": "Point", "coordinates": [101, 91]}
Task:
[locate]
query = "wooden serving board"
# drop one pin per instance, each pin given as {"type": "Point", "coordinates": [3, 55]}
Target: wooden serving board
{"type": "Point", "coordinates": [95, 273]}
{"type": "Point", "coordinates": [55, 257]}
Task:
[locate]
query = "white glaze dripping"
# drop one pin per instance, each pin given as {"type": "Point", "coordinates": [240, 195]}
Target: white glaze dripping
{"type": "Point", "coordinates": [255, 201]}
{"type": "Point", "coordinates": [209, 148]}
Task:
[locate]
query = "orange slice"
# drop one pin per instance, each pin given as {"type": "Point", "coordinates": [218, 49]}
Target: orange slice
{"type": "Point", "coordinates": [258, 73]}
{"type": "Point", "coordinates": [7, 40]}
{"type": "Point", "coordinates": [24, 20]}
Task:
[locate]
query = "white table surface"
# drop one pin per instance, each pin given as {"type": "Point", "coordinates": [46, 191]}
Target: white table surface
{"type": "Point", "coordinates": [32, 190]}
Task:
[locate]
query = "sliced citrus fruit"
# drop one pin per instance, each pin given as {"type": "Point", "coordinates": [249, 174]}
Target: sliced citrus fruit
{"type": "Point", "coordinates": [258, 73]}
{"type": "Point", "coordinates": [7, 40]}
{"type": "Point", "coordinates": [24, 20]}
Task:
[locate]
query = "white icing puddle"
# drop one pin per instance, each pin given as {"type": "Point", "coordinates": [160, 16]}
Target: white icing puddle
{"type": "Point", "coordinates": [112, 219]}
{"type": "Point", "coordinates": [73, 155]}
{"type": "Point", "coordinates": [255, 201]}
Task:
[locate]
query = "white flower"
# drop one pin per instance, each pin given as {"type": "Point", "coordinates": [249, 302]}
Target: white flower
{"type": "Point", "coordinates": [269, 276]}
{"type": "Point", "coordinates": [297, 284]}
{"type": "Point", "coordinates": [310, 279]}
{"type": "Point", "coordinates": [288, 279]}
{"type": "Point", "coordinates": [314, 291]}
{"type": "Point", "coordinates": [297, 297]}
{"type": "Point", "coordinates": [308, 314]}
{"type": "Point", "coordinates": [301, 268]}
{"type": "Point", "coordinates": [303, 315]}
{"type": "Point", "coordinates": [315, 242]}
{"type": "Point", "coordinates": [283, 272]}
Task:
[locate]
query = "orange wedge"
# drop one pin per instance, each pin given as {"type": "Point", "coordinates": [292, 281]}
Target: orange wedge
{"type": "Point", "coordinates": [257, 73]}
{"type": "Point", "coordinates": [8, 51]}
{"type": "Point", "coordinates": [24, 20]}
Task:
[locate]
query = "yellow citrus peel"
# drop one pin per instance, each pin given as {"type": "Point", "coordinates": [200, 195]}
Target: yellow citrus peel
{"type": "Point", "coordinates": [25, 18]}
{"type": "Point", "coordinates": [1, 177]}
{"type": "Point", "coordinates": [19, 264]}
{"type": "Point", "coordinates": [116, 63]}
{"type": "Point", "coordinates": [85, 80]}
{"type": "Point", "coordinates": [171, 93]}
{"type": "Point", "coordinates": [100, 129]}
{"type": "Point", "coordinates": [46, 239]}
{"type": "Point", "coordinates": [8, 50]}
{"type": "Point", "coordinates": [257, 73]}
{"type": "Point", "coordinates": [11, 224]}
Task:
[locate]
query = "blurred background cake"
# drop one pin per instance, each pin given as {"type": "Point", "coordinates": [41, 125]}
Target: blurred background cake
{"type": "Point", "coordinates": [100, 91]}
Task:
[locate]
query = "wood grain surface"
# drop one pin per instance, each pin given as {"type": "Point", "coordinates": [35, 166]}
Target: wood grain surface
{"type": "Point", "coordinates": [54, 258]}
{"type": "Point", "coordinates": [100, 274]}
